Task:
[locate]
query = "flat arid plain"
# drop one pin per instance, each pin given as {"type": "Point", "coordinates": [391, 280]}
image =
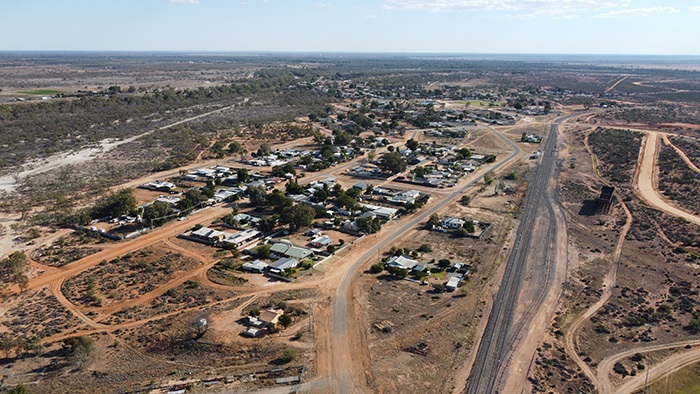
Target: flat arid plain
{"type": "Point", "coordinates": [191, 223]}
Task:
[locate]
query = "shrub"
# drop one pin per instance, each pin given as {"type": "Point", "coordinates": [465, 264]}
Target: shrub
{"type": "Point", "coordinates": [693, 327]}
{"type": "Point", "coordinates": [620, 369]}
{"type": "Point", "coordinates": [461, 232]}
{"type": "Point", "coordinates": [424, 248]}
{"type": "Point", "coordinates": [289, 355]}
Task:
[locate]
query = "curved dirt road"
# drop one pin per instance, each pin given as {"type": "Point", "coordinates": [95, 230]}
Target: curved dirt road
{"type": "Point", "coordinates": [671, 364]}
{"type": "Point", "coordinates": [682, 154]}
{"type": "Point", "coordinates": [609, 282]}
{"type": "Point", "coordinates": [645, 180]}
{"type": "Point", "coordinates": [666, 368]}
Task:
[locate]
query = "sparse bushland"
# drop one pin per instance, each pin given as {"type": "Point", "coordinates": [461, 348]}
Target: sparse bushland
{"type": "Point", "coordinates": [677, 180]}
{"type": "Point", "coordinates": [617, 151]}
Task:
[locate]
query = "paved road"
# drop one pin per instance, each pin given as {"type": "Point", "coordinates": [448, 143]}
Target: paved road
{"type": "Point", "coordinates": [500, 334]}
{"type": "Point", "coordinates": [343, 293]}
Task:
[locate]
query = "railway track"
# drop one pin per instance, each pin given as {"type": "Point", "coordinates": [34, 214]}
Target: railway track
{"type": "Point", "coordinates": [502, 331]}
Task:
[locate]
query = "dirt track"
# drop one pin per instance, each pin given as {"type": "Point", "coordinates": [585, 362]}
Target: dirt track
{"type": "Point", "coordinates": [682, 154]}
{"type": "Point", "coordinates": [8, 182]}
{"type": "Point", "coordinates": [343, 355]}
{"type": "Point", "coordinates": [609, 282]}
{"type": "Point", "coordinates": [670, 365]}
{"type": "Point", "coordinates": [646, 185]}
{"type": "Point", "coordinates": [646, 180]}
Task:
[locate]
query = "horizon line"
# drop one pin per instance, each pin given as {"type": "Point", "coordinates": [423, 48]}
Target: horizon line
{"type": "Point", "coordinates": [322, 52]}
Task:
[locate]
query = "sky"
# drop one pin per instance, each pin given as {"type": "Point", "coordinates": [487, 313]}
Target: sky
{"type": "Point", "coordinates": [428, 26]}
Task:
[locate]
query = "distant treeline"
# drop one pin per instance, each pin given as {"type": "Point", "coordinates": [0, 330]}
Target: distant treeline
{"type": "Point", "coordinates": [40, 129]}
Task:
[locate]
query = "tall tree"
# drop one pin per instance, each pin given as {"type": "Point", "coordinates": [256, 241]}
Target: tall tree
{"type": "Point", "coordinates": [121, 202]}
{"type": "Point", "coordinates": [393, 162]}
{"type": "Point", "coordinates": [297, 216]}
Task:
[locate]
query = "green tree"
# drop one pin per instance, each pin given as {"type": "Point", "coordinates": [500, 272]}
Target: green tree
{"type": "Point", "coordinates": [321, 195]}
{"type": "Point", "coordinates": [121, 202]}
{"type": "Point", "coordinates": [79, 349]}
{"type": "Point", "coordinates": [344, 200]}
{"type": "Point", "coordinates": [263, 251]}
{"type": "Point", "coordinates": [230, 220]}
{"type": "Point", "coordinates": [155, 213]}
{"type": "Point", "coordinates": [412, 144]}
{"type": "Point", "coordinates": [264, 150]}
{"type": "Point", "coordinates": [257, 196]}
{"type": "Point", "coordinates": [433, 221]}
{"type": "Point", "coordinates": [469, 226]}
{"type": "Point", "coordinates": [444, 263]}
{"type": "Point", "coordinates": [191, 199]}
{"type": "Point", "coordinates": [326, 152]}
{"type": "Point", "coordinates": [284, 169]}
{"type": "Point", "coordinates": [393, 162]}
{"type": "Point", "coordinates": [341, 138]}
{"type": "Point", "coordinates": [293, 187]}
{"type": "Point", "coordinates": [377, 268]}
{"type": "Point", "coordinates": [464, 153]}
{"type": "Point", "coordinates": [318, 137]}
{"type": "Point", "coordinates": [398, 272]}
{"type": "Point", "coordinates": [285, 320]}
{"type": "Point", "coordinates": [297, 216]}
{"type": "Point", "coordinates": [278, 201]}
{"type": "Point", "coordinates": [242, 175]}
{"type": "Point", "coordinates": [368, 225]}
{"type": "Point", "coordinates": [12, 269]}
{"type": "Point", "coordinates": [267, 223]}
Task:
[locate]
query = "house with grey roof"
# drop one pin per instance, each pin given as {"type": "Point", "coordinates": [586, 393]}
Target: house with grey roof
{"type": "Point", "coordinates": [283, 264]}
{"type": "Point", "coordinates": [403, 262]}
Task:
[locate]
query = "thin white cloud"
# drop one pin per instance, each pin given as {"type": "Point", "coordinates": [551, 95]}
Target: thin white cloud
{"type": "Point", "coordinates": [501, 5]}
{"type": "Point", "coordinates": [696, 9]}
{"type": "Point", "coordinates": [551, 12]}
{"type": "Point", "coordinates": [184, 1]}
{"type": "Point", "coordinates": [647, 11]}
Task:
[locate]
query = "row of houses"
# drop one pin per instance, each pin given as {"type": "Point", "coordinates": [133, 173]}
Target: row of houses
{"type": "Point", "coordinates": [209, 236]}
